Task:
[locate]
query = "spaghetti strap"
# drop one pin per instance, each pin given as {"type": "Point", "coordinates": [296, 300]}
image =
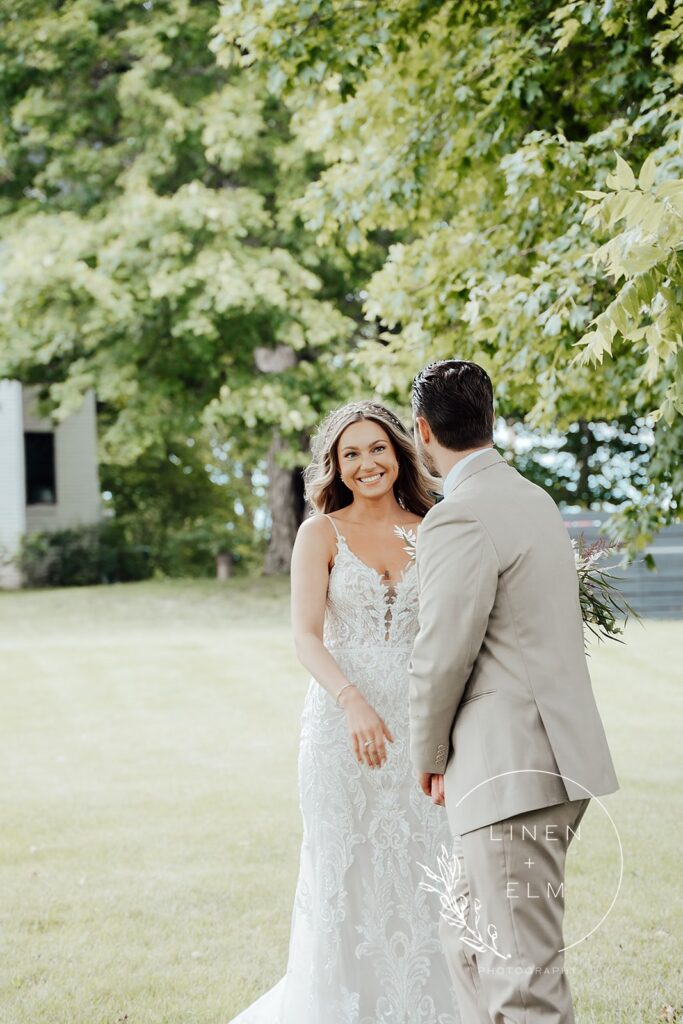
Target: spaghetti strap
{"type": "Point", "coordinates": [336, 528]}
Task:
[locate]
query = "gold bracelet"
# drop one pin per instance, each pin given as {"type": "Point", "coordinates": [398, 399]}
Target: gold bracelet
{"type": "Point", "coordinates": [342, 690]}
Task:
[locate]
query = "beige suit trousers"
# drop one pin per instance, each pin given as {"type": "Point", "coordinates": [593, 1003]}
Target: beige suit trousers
{"type": "Point", "coordinates": [512, 880]}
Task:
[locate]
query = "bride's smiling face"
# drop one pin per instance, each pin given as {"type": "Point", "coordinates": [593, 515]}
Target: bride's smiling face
{"type": "Point", "coordinates": [367, 460]}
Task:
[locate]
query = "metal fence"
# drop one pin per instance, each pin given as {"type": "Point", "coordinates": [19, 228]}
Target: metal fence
{"type": "Point", "coordinates": [654, 594]}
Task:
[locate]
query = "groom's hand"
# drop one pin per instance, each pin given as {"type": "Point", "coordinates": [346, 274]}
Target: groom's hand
{"type": "Point", "coordinates": [432, 786]}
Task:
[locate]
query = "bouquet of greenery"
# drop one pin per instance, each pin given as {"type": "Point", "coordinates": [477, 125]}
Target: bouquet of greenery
{"type": "Point", "coordinates": [603, 607]}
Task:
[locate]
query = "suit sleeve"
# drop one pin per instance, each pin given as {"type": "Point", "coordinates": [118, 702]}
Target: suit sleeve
{"type": "Point", "coordinates": [458, 577]}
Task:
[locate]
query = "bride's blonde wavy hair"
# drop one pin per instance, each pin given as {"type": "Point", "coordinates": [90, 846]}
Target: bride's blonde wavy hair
{"type": "Point", "coordinates": [324, 488]}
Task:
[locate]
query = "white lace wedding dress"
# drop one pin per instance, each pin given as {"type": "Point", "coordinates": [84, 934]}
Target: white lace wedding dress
{"type": "Point", "coordinates": [364, 944]}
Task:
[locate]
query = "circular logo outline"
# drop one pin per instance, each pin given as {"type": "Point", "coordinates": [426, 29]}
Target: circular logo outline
{"type": "Point", "coordinates": [558, 775]}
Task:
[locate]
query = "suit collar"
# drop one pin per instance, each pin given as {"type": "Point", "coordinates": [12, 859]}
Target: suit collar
{"type": "Point", "coordinates": [478, 465]}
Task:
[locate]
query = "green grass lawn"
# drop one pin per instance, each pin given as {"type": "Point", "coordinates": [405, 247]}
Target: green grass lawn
{"type": "Point", "coordinates": [150, 823]}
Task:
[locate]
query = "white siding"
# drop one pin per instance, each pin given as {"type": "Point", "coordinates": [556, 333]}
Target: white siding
{"type": "Point", "coordinates": [12, 487]}
{"type": "Point", "coordinates": [77, 484]}
{"type": "Point", "coordinates": [78, 492]}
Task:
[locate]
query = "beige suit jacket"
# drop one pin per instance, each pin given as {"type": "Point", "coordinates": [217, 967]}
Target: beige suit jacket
{"type": "Point", "coordinates": [500, 697]}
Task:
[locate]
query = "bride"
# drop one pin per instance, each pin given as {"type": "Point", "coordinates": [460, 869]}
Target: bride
{"type": "Point", "coordinates": [364, 942]}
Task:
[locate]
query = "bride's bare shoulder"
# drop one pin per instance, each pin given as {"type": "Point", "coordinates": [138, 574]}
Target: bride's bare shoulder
{"type": "Point", "coordinates": [316, 525]}
{"type": "Point", "coordinates": [316, 532]}
{"type": "Point", "coordinates": [315, 545]}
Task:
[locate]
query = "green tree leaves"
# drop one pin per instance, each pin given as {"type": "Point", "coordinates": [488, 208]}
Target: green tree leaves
{"type": "Point", "coordinates": [476, 133]}
{"type": "Point", "coordinates": [646, 254]}
{"type": "Point", "coordinates": [149, 246]}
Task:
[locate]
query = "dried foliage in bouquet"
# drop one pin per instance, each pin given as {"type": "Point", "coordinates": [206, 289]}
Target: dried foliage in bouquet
{"type": "Point", "coordinates": [604, 609]}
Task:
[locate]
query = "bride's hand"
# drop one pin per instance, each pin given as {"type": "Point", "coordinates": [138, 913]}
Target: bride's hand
{"type": "Point", "coordinates": [368, 731]}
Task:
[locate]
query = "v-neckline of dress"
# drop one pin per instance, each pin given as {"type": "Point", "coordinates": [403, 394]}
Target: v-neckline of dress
{"type": "Point", "coordinates": [390, 588]}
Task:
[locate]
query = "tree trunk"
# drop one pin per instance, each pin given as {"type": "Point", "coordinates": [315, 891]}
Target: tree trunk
{"type": "Point", "coordinates": [285, 491]}
{"type": "Point", "coordinates": [283, 504]}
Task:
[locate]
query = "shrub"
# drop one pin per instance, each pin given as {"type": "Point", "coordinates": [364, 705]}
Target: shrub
{"type": "Point", "coordinates": [81, 556]}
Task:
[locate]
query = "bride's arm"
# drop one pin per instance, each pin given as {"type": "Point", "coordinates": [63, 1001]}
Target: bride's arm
{"type": "Point", "coordinates": [310, 577]}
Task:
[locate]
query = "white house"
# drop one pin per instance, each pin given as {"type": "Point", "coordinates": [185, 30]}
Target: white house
{"type": "Point", "coordinates": [48, 472]}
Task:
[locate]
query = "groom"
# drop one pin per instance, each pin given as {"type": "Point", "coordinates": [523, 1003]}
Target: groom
{"type": "Point", "coordinates": [504, 725]}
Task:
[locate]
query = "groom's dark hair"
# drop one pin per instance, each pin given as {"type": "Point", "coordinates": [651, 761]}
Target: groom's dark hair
{"type": "Point", "coordinates": [456, 398]}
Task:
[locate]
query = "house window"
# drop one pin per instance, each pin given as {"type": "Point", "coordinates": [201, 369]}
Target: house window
{"type": "Point", "coordinates": [39, 452]}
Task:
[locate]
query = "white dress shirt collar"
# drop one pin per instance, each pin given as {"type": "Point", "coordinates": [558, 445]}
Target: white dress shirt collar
{"type": "Point", "coordinates": [456, 470]}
